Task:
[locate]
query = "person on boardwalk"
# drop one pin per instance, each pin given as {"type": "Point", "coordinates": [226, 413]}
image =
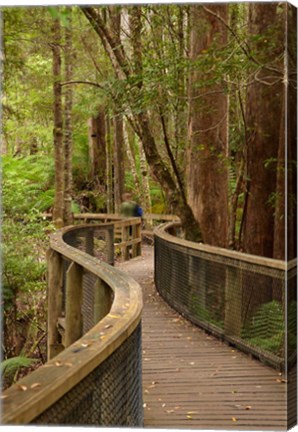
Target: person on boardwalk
{"type": "Point", "coordinates": [130, 208]}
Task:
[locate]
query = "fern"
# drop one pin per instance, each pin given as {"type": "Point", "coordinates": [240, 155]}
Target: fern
{"type": "Point", "coordinates": [266, 328]}
{"type": "Point", "coordinates": [10, 366]}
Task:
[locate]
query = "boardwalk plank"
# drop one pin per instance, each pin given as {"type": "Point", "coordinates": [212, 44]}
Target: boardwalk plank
{"type": "Point", "coordinates": [193, 380]}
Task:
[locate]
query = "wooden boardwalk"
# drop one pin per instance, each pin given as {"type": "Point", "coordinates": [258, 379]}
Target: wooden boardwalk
{"type": "Point", "coordinates": [193, 380]}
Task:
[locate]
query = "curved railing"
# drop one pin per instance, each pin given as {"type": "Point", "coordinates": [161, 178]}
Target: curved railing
{"type": "Point", "coordinates": [93, 375]}
{"type": "Point", "coordinates": [247, 300]}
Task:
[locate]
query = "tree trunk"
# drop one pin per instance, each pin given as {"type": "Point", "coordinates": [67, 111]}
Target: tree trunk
{"type": "Point", "coordinates": [146, 199]}
{"type": "Point", "coordinates": [207, 177]}
{"type": "Point", "coordinates": [291, 144]}
{"type": "Point", "coordinates": [58, 209]}
{"type": "Point", "coordinates": [97, 148]}
{"type": "Point", "coordinates": [119, 161]}
{"type": "Point", "coordinates": [68, 217]}
{"type": "Point", "coordinates": [263, 113]}
{"type": "Point", "coordinates": [109, 165]}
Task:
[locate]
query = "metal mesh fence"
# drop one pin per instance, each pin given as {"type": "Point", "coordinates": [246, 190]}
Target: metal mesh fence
{"type": "Point", "coordinates": [109, 396]}
{"type": "Point", "coordinates": [242, 302]}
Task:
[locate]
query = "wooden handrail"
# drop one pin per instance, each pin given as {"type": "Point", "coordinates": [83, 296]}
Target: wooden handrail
{"type": "Point", "coordinates": [162, 231]}
{"type": "Point", "coordinates": [32, 395]}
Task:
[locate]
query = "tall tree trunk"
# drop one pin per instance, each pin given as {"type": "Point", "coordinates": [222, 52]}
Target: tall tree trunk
{"type": "Point", "coordinates": [130, 152]}
{"type": "Point", "coordinates": [291, 144]}
{"type": "Point", "coordinates": [207, 171]}
{"type": "Point", "coordinates": [119, 160]}
{"type": "Point", "coordinates": [109, 165]}
{"type": "Point", "coordinates": [279, 211]}
{"type": "Point", "coordinates": [68, 218]}
{"type": "Point", "coordinates": [97, 148]}
{"type": "Point", "coordinates": [263, 112]}
{"type": "Point", "coordinates": [58, 209]}
{"type": "Point", "coordinates": [146, 199]}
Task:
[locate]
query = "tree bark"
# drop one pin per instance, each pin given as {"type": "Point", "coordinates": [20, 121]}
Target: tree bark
{"type": "Point", "coordinates": [58, 209]}
{"type": "Point", "coordinates": [207, 177]}
{"type": "Point", "coordinates": [68, 217]}
{"type": "Point", "coordinates": [263, 112]}
{"type": "Point", "coordinates": [109, 165]}
{"type": "Point", "coordinates": [97, 148]}
{"type": "Point", "coordinates": [119, 160]}
{"type": "Point", "coordinates": [291, 144]}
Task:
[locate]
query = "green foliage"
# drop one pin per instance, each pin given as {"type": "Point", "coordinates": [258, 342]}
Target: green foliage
{"type": "Point", "coordinates": [266, 328]}
{"type": "Point", "coordinates": [27, 190]}
{"type": "Point", "coordinates": [9, 367]}
{"type": "Point", "coordinates": [204, 314]}
{"type": "Point", "coordinates": [27, 184]}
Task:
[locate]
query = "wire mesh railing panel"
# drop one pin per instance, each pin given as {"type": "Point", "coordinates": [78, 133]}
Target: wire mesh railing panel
{"type": "Point", "coordinates": [88, 301]}
{"type": "Point", "coordinates": [242, 302]}
{"type": "Point", "coordinates": [102, 397]}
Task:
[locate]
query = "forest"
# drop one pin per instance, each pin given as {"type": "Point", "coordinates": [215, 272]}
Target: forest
{"type": "Point", "coordinates": [190, 107]}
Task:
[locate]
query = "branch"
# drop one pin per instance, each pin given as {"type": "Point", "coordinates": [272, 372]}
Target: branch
{"type": "Point", "coordinates": [172, 159]}
{"type": "Point", "coordinates": [245, 50]}
{"type": "Point", "coordinates": [82, 82]}
{"type": "Point", "coordinates": [240, 42]}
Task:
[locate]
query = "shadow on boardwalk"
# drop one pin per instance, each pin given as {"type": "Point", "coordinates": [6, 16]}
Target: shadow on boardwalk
{"type": "Point", "coordinates": [193, 380]}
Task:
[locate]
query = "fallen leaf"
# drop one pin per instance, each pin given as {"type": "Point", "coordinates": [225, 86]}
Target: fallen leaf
{"type": "Point", "coordinates": [22, 387]}
{"type": "Point", "coordinates": [234, 419]}
{"type": "Point", "coordinates": [234, 391]}
{"type": "Point", "coordinates": [163, 405]}
{"type": "Point", "coordinates": [192, 363]}
{"type": "Point", "coordinates": [144, 405]}
{"type": "Point", "coordinates": [189, 417]}
{"type": "Point", "coordinates": [35, 385]}
{"type": "Point", "coordinates": [114, 316]}
{"type": "Point", "coordinates": [108, 326]}
{"type": "Point", "coordinates": [192, 412]}
{"type": "Point", "coordinates": [3, 397]}
{"type": "Point", "coordinates": [58, 363]}
{"type": "Point", "coordinates": [68, 364]}
{"type": "Point", "coordinates": [248, 407]}
{"type": "Point", "coordinates": [170, 411]}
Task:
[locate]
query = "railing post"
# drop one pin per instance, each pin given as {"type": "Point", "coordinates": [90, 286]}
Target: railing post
{"type": "Point", "coordinates": [74, 300]}
{"type": "Point", "coordinates": [55, 302]}
{"type": "Point", "coordinates": [136, 233]}
{"type": "Point", "coordinates": [125, 247]}
{"type": "Point", "coordinates": [110, 245]}
{"type": "Point", "coordinates": [233, 302]}
{"type": "Point", "coordinates": [89, 242]}
{"type": "Point", "coordinates": [102, 300]}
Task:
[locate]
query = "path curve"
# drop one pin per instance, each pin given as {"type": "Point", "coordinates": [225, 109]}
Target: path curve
{"type": "Point", "coordinates": [192, 379]}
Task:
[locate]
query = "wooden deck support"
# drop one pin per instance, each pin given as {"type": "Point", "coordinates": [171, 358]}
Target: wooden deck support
{"type": "Point", "coordinates": [74, 300]}
{"type": "Point", "coordinates": [55, 301]}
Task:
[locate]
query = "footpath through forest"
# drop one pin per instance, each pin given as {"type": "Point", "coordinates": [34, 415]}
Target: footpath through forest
{"type": "Point", "coordinates": [193, 380]}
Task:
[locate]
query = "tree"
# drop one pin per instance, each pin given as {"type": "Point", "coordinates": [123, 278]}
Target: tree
{"type": "Point", "coordinates": [140, 119]}
{"type": "Point", "coordinates": [58, 209]}
{"type": "Point", "coordinates": [263, 111]}
{"type": "Point", "coordinates": [68, 152]}
{"type": "Point", "coordinates": [207, 180]}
